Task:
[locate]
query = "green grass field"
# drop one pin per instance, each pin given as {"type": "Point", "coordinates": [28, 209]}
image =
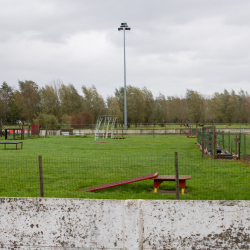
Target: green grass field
{"type": "Point", "coordinates": [71, 163]}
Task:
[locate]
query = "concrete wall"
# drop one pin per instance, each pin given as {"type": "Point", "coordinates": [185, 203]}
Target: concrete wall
{"type": "Point", "coordinates": [34, 223]}
{"type": "Point", "coordinates": [144, 131]}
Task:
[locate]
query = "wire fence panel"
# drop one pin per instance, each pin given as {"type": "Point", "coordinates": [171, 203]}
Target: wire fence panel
{"type": "Point", "coordinates": [216, 179]}
{"type": "Point", "coordinates": [19, 177]}
{"type": "Point", "coordinates": [69, 177]}
{"type": "Point", "coordinates": [247, 147]}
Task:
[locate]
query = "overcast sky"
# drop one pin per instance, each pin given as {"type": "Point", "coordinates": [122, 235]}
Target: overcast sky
{"type": "Point", "coordinates": [173, 45]}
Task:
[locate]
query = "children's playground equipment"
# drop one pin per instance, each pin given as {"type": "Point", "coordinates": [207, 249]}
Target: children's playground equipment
{"type": "Point", "coordinates": [20, 133]}
{"type": "Point", "coordinates": [104, 124]}
{"type": "Point", "coordinates": [123, 182]}
{"type": "Point", "coordinates": [14, 134]}
{"type": "Point", "coordinates": [158, 179]}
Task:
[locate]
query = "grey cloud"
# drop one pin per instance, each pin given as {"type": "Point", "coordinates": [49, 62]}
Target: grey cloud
{"type": "Point", "coordinates": [172, 44]}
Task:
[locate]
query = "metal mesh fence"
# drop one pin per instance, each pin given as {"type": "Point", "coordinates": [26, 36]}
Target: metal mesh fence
{"type": "Point", "coordinates": [19, 134]}
{"type": "Point", "coordinates": [227, 142]}
{"type": "Point", "coordinates": [19, 177]}
{"type": "Point", "coordinates": [247, 146]}
{"type": "Point", "coordinates": [70, 177]}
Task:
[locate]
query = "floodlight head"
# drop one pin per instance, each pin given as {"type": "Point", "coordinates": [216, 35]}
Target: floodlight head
{"type": "Point", "coordinates": [124, 26]}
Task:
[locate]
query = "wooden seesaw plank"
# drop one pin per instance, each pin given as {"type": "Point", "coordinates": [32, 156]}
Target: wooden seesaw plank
{"type": "Point", "coordinates": [123, 182]}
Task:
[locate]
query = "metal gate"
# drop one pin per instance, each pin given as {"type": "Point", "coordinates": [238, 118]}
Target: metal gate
{"type": "Point", "coordinates": [209, 149]}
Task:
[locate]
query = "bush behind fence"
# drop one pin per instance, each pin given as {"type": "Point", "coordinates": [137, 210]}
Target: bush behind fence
{"type": "Point", "coordinates": [68, 177]}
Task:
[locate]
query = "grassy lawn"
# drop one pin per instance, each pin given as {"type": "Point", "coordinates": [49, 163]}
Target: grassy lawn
{"type": "Point", "coordinates": [71, 163]}
{"type": "Point", "coordinates": [75, 146]}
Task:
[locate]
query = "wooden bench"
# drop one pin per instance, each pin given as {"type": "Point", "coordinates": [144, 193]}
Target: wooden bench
{"type": "Point", "coordinates": [160, 178]}
{"type": "Point", "coordinates": [12, 142]}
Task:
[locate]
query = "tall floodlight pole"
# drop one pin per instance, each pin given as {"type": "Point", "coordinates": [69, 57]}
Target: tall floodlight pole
{"type": "Point", "coordinates": [124, 27]}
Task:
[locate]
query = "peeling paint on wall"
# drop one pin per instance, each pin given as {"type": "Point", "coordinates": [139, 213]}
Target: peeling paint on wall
{"type": "Point", "coordinates": [35, 223]}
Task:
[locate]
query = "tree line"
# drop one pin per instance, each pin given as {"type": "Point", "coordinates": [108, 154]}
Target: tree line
{"type": "Point", "coordinates": [60, 103]}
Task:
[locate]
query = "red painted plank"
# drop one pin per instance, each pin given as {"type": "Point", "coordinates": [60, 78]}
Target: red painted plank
{"type": "Point", "coordinates": [119, 183]}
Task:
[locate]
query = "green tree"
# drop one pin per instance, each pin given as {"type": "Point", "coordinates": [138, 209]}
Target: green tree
{"type": "Point", "coordinates": [6, 95]}
{"type": "Point", "coordinates": [71, 101]}
{"type": "Point", "coordinates": [244, 106]}
{"type": "Point", "coordinates": [177, 109]}
{"type": "Point", "coordinates": [113, 107]}
{"type": "Point", "coordinates": [135, 105]}
{"type": "Point", "coordinates": [228, 107]}
{"type": "Point", "coordinates": [15, 112]}
{"type": "Point", "coordinates": [45, 119]}
{"type": "Point", "coordinates": [93, 102]}
{"type": "Point", "coordinates": [50, 103]}
{"type": "Point", "coordinates": [2, 110]}
{"type": "Point", "coordinates": [195, 106]}
{"type": "Point", "coordinates": [82, 118]}
{"type": "Point", "coordinates": [215, 108]}
{"type": "Point", "coordinates": [27, 100]}
{"type": "Point", "coordinates": [119, 95]}
{"type": "Point", "coordinates": [209, 117]}
{"type": "Point", "coordinates": [148, 105]}
{"type": "Point", "coordinates": [161, 109]}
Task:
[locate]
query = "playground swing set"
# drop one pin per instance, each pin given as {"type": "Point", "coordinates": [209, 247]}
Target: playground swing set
{"type": "Point", "coordinates": [106, 123]}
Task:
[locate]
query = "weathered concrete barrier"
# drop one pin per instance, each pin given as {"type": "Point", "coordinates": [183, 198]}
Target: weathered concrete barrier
{"type": "Point", "coordinates": [34, 223]}
{"type": "Point", "coordinates": [143, 131]}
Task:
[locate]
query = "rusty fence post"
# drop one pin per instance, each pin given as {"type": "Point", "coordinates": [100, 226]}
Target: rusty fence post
{"type": "Point", "coordinates": [238, 150]}
{"type": "Point", "coordinates": [41, 175]}
{"type": "Point", "coordinates": [245, 147]}
{"type": "Point", "coordinates": [177, 176]}
{"type": "Point", "coordinates": [1, 128]}
{"type": "Point", "coordinates": [235, 139]}
{"type": "Point", "coordinates": [223, 144]}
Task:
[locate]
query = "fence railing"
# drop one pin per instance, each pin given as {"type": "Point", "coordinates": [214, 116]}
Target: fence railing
{"type": "Point", "coordinates": [138, 125]}
{"type": "Point", "coordinates": [65, 177]}
{"type": "Point", "coordinates": [232, 143]}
